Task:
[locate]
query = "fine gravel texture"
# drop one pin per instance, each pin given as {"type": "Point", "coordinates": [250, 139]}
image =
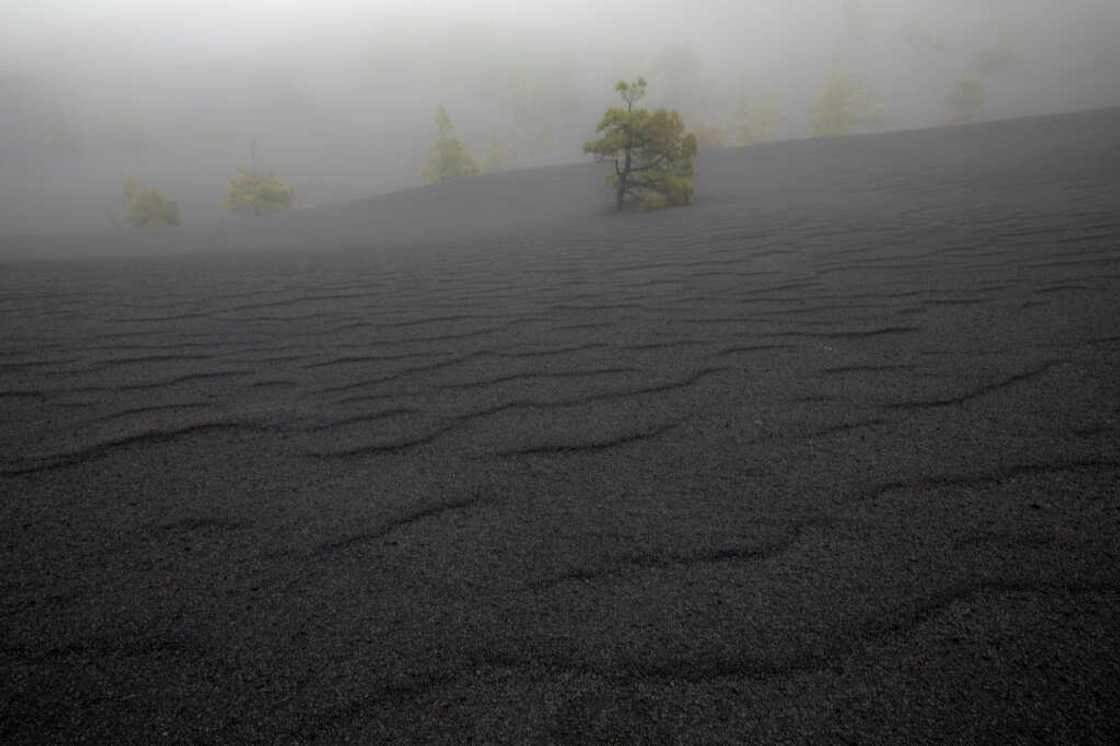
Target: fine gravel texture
{"type": "Point", "coordinates": [830, 456]}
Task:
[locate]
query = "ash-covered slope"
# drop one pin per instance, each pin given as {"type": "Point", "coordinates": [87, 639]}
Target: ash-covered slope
{"type": "Point", "coordinates": [831, 455]}
{"type": "Point", "coordinates": [474, 208]}
{"type": "Point", "coordinates": [815, 177]}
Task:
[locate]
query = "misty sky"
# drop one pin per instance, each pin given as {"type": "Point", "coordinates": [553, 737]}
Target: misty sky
{"type": "Point", "coordinates": [338, 95]}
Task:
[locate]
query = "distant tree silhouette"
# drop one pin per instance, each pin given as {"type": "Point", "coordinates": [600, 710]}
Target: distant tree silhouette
{"type": "Point", "coordinates": [449, 158]}
{"type": "Point", "coordinates": [146, 207]}
{"type": "Point", "coordinates": [843, 106]}
{"type": "Point", "coordinates": [758, 119]}
{"type": "Point", "coordinates": [965, 102]}
{"type": "Point", "coordinates": [653, 158]}
{"type": "Point", "coordinates": [983, 67]}
{"type": "Point", "coordinates": [495, 156]}
{"type": "Point", "coordinates": [678, 74]}
{"type": "Point", "coordinates": [996, 58]}
{"type": "Point", "coordinates": [258, 193]}
{"type": "Point", "coordinates": [711, 137]}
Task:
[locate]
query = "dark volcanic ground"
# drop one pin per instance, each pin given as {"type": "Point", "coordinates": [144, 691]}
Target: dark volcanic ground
{"type": "Point", "coordinates": [832, 455]}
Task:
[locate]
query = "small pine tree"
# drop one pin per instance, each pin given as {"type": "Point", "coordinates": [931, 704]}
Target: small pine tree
{"type": "Point", "coordinates": [965, 103]}
{"type": "Point", "coordinates": [449, 157]}
{"type": "Point", "coordinates": [146, 207]}
{"type": "Point", "coordinates": [654, 160]}
{"type": "Point", "coordinates": [843, 106]}
{"type": "Point", "coordinates": [258, 193]}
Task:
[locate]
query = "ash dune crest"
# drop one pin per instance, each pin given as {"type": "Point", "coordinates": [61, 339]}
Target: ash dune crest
{"type": "Point", "coordinates": [811, 436]}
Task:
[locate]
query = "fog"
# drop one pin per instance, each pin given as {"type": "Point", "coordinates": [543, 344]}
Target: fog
{"type": "Point", "coordinates": [339, 97]}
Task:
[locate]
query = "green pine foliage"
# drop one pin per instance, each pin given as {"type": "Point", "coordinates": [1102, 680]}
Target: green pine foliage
{"type": "Point", "coordinates": [258, 193]}
{"type": "Point", "coordinates": [147, 207]}
{"type": "Point", "coordinates": [653, 157]}
{"type": "Point", "coordinates": [449, 158]}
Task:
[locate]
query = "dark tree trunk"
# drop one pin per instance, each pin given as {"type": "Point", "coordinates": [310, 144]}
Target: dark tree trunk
{"type": "Point", "coordinates": [622, 177]}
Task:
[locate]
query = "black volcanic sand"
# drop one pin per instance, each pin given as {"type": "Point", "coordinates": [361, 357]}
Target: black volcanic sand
{"type": "Point", "coordinates": [832, 455]}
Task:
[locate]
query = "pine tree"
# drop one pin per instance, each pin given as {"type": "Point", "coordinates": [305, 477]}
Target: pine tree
{"type": "Point", "coordinates": [653, 158]}
{"type": "Point", "coordinates": [843, 105]}
{"type": "Point", "coordinates": [258, 193]}
{"type": "Point", "coordinates": [449, 157]}
{"type": "Point", "coordinates": [146, 207]}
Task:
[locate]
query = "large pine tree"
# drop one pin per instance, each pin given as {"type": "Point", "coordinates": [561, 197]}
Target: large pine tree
{"type": "Point", "coordinates": [653, 158]}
